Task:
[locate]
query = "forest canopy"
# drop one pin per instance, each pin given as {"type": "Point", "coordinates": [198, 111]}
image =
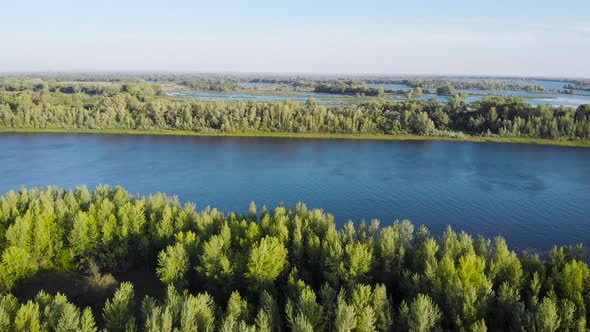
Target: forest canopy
{"type": "Point", "coordinates": [285, 269]}
{"type": "Point", "coordinates": [348, 88]}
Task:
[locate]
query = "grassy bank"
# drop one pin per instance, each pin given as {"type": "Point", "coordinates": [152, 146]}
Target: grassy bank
{"type": "Point", "coordinates": [401, 137]}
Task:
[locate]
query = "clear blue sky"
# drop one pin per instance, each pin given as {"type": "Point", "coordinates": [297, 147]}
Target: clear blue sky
{"type": "Point", "coordinates": [516, 37]}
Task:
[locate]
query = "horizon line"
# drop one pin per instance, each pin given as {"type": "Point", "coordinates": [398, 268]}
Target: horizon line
{"type": "Point", "coordinates": [279, 73]}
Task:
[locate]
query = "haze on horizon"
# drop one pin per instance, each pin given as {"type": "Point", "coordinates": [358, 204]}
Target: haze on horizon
{"type": "Point", "coordinates": [501, 38]}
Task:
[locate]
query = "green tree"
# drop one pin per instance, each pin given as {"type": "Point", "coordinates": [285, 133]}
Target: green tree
{"type": "Point", "coordinates": [17, 264]}
{"type": "Point", "coordinates": [118, 312]}
{"type": "Point", "coordinates": [546, 317]}
{"type": "Point", "coordinates": [504, 265]}
{"type": "Point", "coordinates": [345, 320]}
{"type": "Point", "coordinates": [215, 265]}
{"type": "Point", "coordinates": [445, 90]}
{"type": "Point", "coordinates": [197, 313]}
{"type": "Point", "coordinates": [173, 264]}
{"type": "Point", "coordinates": [305, 312]}
{"type": "Point", "coordinates": [357, 262]}
{"type": "Point", "coordinates": [382, 307]}
{"type": "Point", "coordinates": [267, 260]}
{"type": "Point", "coordinates": [423, 315]}
{"type": "Point", "coordinates": [422, 124]}
{"type": "Point", "coordinates": [28, 318]}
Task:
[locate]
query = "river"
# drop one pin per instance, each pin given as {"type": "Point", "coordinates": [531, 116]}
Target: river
{"type": "Point", "coordinates": [535, 196]}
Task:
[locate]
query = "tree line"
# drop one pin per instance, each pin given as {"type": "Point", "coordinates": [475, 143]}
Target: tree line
{"type": "Point", "coordinates": [140, 107]}
{"type": "Point", "coordinates": [468, 84]}
{"type": "Point", "coordinates": [287, 269]}
{"type": "Point", "coordinates": [214, 85]}
{"type": "Point", "coordinates": [579, 85]}
{"type": "Point", "coordinates": [225, 82]}
{"type": "Point", "coordinates": [427, 84]}
{"type": "Point", "coordinates": [348, 88]}
{"type": "Point", "coordinates": [140, 90]}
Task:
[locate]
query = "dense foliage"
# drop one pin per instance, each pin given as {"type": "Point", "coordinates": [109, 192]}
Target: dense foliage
{"type": "Point", "coordinates": [445, 90]}
{"type": "Point", "coordinates": [215, 85]}
{"type": "Point", "coordinates": [469, 84]}
{"type": "Point", "coordinates": [231, 82]}
{"type": "Point", "coordinates": [579, 85]}
{"type": "Point", "coordinates": [285, 269]}
{"type": "Point", "coordinates": [348, 88]}
{"type": "Point", "coordinates": [139, 107]}
{"type": "Point", "coordinates": [89, 88]}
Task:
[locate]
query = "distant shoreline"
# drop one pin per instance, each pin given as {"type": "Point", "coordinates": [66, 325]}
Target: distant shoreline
{"type": "Point", "coordinates": [400, 137]}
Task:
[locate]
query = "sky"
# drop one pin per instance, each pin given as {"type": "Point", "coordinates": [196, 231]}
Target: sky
{"type": "Point", "coordinates": [471, 37]}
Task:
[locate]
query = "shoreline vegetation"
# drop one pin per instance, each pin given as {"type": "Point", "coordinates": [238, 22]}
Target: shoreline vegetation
{"type": "Point", "coordinates": [119, 104]}
{"type": "Point", "coordinates": [385, 137]}
{"type": "Point", "coordinates": [80, 260]}
{"type": "Point", "coordinates": [253, 82]}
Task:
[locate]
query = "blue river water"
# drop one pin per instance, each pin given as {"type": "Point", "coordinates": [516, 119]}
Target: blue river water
{"type": "Point", "coordinates": [535, 196]}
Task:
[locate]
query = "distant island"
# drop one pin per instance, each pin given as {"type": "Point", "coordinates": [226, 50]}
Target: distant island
{"type": "Point", "coordinates": [140, 104]}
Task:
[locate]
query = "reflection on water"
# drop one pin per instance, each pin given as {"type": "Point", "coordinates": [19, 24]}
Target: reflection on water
{"type": "Point", "coordinates": [533, 195]}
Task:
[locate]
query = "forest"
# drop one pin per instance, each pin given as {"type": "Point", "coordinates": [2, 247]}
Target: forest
{"type": "Point", "coordinates": [141, 106]}
{"type": "Point", "coordinates": [579, 85]}
{"type": "Point", "coordinates": [476, 84]}
{"type": "Point", "coordinates": [337, 84]}
{"type": "Point", "coordinates": [348, 88]}
{"type": "Point", "coordinates": [281, 269]}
